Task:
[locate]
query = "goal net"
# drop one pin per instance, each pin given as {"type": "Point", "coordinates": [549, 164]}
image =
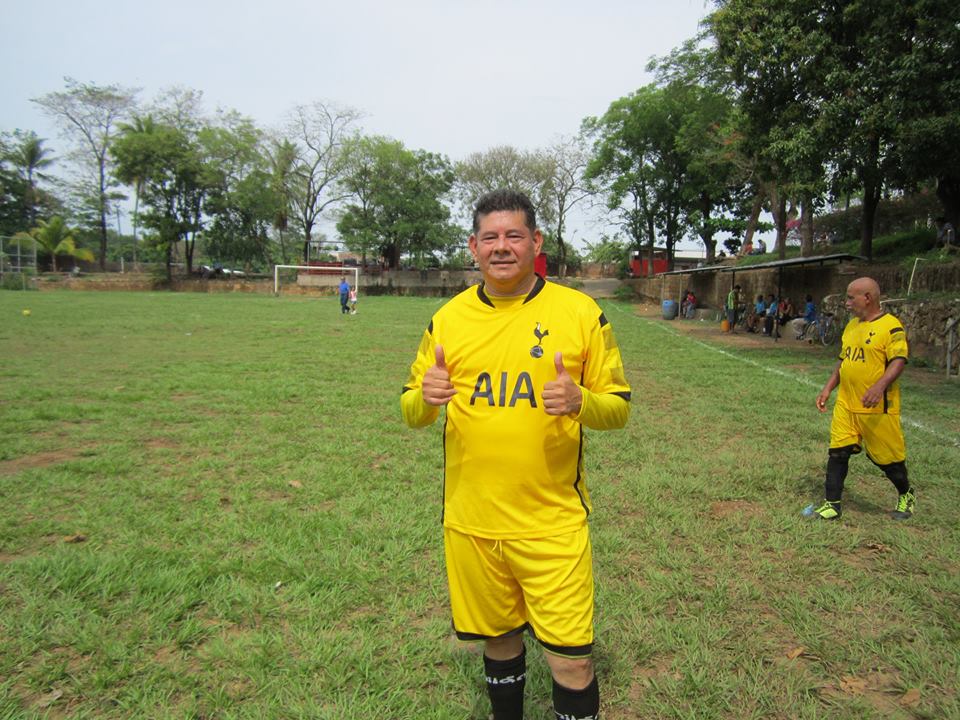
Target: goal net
{"type": "Point", "coordinates": [333, 271]}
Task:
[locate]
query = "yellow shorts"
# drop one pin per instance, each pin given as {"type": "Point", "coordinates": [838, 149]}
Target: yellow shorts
{"type": "Point", "coordinates": [501, 587]}
{"type": "Point", "coordinates": [878, 433]}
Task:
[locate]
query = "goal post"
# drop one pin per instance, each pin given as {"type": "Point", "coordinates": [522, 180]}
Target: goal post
{"type": "Point", "coordinates": [328, 270]}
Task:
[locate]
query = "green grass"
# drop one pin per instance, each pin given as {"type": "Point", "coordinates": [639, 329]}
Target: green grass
{"type": "Point", "coordinates": [900, 248]}
{"type": "Point", "coordinates": [262, 533]}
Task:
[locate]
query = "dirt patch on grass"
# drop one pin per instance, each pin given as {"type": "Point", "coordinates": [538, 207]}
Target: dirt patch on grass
{"type": "Point", "coordinates": [722, 509]}
{"type": "Point", "coordinates": [39, 460]}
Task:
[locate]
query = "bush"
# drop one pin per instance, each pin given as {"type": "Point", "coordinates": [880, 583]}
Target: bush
{"type": "Point", "coordinates": [17, 281]}
{"type": "Point", "coordinates": [625, 293]}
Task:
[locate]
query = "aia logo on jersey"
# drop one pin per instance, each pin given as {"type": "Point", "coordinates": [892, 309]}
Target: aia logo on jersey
{"type": "Point", "coordinates": [867, 341]}
{"type": "Point", "coordinates": [537, 350]}
{"type": "Point", "coordinates": [854, 354]}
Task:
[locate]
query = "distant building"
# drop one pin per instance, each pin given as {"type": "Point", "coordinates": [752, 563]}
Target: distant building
{"type": "Point", "coordinates": [681, 261]}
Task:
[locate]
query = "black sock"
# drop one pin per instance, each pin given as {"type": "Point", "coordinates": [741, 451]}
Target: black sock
{"type": "Point", "coordinates": [837, 466]}
{"type": "Point", "coordinates": [505, 682]}
{"type": "Point", "coordinates": [897, 474]}
{"type": "Point", "coordinates": [577, 704]}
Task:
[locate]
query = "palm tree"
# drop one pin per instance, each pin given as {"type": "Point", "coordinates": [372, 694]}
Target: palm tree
{"type": "Point", "coordinates": [141, 125]}
{"type": "Point", "coordinates": [57, 239]}
{"type": "Point", "coordinates": [29, 157]}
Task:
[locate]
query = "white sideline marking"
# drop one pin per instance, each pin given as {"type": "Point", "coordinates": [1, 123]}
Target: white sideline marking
{"type": "Point", "coordinates": [776, 371]}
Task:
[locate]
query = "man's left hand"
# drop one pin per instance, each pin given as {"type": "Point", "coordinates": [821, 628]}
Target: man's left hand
{"type": "Point", "coordinates": [562, 396]}
{"type": "Point", "coordinates": [873, 395]}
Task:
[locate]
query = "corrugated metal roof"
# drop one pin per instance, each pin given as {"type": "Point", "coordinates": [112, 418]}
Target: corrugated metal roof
{"type": "Point", "coordinates": [812, 260]}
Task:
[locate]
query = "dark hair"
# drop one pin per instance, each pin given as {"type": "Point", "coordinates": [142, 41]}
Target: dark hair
{"type": "Point", "coordinates": [504, 200]}
{"type": "Point", "coordinates": [809, 298]}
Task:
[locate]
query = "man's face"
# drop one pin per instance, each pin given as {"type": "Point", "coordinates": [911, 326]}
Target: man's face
{"type": "Point", "coordinates": [505, 249]}
{"type": "Point", "coordinates": [857, 301]}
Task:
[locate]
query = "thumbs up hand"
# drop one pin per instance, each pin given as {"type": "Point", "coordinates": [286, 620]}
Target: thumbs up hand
{"type": "Point", "coordinates": [562, 396]}
{"type": "Point", "coordinates": [436, 386]}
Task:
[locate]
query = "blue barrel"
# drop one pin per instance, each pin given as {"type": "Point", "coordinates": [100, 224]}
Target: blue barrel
{"type": "Point", "coordinates": [670, 309]}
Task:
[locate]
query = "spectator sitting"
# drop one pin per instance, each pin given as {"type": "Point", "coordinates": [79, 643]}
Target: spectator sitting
{"type": "Point", "coordinates": [809, 316]}
{"type": "Point", "coordinates": [746, 249]}
{"type": "Point", "coordinates": [760, 249]}
{"type": "Point", "coordinates": [786, 311]}
{"type": "Point", "coordinates": [770, 314]}
{"type": "Point", "coordinates": [688, 308]}
{"type": "Point", "coordinates": [759, 309]}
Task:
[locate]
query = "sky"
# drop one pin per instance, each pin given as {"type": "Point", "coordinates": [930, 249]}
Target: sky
{"type": "Point", "coordinates": [444, 76]}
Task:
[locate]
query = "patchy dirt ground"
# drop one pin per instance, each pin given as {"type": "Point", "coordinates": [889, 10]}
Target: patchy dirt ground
{"type": "Point", "coordinates": [710, 331]}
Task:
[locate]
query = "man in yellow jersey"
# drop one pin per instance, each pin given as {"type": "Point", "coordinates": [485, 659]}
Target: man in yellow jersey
{"type": "Point", "coordinates": [521, 366]}
{"type": "Point", "coordinates": [866, 415]}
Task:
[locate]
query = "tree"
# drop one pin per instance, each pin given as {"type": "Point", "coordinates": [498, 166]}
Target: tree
{"type": "Point", "coordinates": [318, 132]}
{"type": "Point", "coordinates": [864, 92]}
{"type": "Point", "coordinates": [173, 167]}
{"type": "Point", "coordinates": [282, 158]}
{"type": "Point", "coordinates": [57, 239]}
{"type": "Point", "coordinates": [29, 157]}
{"type": "Point", "coordinates": [529, 172]}
{"type": "Point", "coordinates": [397, 201]}
{"type": "Point", "coordinates": [88, 114]}
{"type": "Point", "coordinates": [639, 166]}
{"type": "Point", "coordinates": [566, 188]}
{"type": "Point", "coordinates": [608, 251]}
{"type": "Point", "coordinates": [241, 202]}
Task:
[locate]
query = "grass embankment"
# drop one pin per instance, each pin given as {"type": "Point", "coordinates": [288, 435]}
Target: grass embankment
{"type": "Point", "coordinates": [211, 509]}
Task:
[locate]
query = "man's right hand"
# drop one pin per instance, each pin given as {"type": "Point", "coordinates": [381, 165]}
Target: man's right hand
{"type": "Point", "coordinates": [436, 386]}
{"type": "Point", "coordinates": [822, 400]}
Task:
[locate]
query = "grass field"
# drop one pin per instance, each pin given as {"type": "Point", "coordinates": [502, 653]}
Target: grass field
{"type": "Point", "coordinates": [209, 508]}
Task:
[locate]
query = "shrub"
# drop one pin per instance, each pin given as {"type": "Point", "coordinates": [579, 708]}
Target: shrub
{"type": "Point", "coordinates": [17, 281]}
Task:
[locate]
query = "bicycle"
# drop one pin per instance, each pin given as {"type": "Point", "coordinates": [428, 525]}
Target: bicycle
{"type": "Point", "coordinates": [826, 330]}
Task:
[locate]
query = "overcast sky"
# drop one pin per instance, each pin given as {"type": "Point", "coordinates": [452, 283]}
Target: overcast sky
{"type": "Point", "coordinates": [445, 76]}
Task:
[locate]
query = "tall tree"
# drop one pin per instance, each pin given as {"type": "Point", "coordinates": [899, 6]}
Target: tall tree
{"type": "Point", "coordinates": [318, 131]}
{"type": "Point", "coordinates": [29, 158]}
{"type": "Point", "coordinates": [529, 172]}
{"type": "Point", "coordinates": [176, 180]}
{"type": "Point", "coordinates": [241, 202]}
{"type": "Point", "coordinates": [640, 165]}
{"type": "Point", "coordinates": [864, 89]}
{"type": "Point", "coordinates": [88, 114]}
{"type": "Point", "coordinates": [566, 188]}
{"type": "Point", "coordinates": [398, 201]}
{"type": "Point", "coordinates": [282, 158]}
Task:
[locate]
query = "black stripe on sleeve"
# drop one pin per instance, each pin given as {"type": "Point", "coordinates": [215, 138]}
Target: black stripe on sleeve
{"type": "Point", "coordinates": [430, 327]}
{"type": "Point", "coordinates": [624, 395]}
{"type": "Point", "coordinates": [896, 330]}
{"type": "Point", "coordinates": [603, 320]}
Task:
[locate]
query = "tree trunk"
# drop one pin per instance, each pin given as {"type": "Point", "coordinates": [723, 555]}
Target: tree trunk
{"type": "Point", "coordinates": [806, 228]}
{"type": "Point", "coordinates": [102, 202]}
{"type": "Point", "coordinates": [778, 208]}
{"type": "Point", "coordinates": [754, 218]}
{"type": "Point", "coordinates": [948, 192]}
{"type": "Point", "coordinates": [871, 199]}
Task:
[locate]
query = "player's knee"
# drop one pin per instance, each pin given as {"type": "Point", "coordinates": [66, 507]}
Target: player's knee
{"type": "Point", "coordinates": [896, 471]}
{"type": "Point", "coordinates": [573, 673]}
{"type": "Point", "coordinates": [842, 454]}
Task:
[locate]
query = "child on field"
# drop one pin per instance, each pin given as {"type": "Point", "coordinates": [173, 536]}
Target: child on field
{"type": "Point", "coordinates": [353, 301]}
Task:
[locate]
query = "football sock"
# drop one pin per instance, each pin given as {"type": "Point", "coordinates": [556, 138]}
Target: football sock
{"type": "Point", "coordinates": [576, 704]}
{"type": "Point", "coordinates": [837, 465]}
{"type": "Point", "coordinates": [897, 474]}
{"type": "Point", "coordinates": [506, 680]}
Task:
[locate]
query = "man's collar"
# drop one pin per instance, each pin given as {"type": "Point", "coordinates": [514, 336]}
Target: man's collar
{"type": "Point", "coordinates": [538, 285]}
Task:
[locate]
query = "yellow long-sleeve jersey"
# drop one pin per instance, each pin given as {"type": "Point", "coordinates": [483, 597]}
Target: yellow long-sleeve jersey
{"type": "Point", "coordinates": [510, 470]}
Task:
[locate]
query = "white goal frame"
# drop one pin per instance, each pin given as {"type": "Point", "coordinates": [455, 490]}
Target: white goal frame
{"type": "Point", "coordinates": [340, 269]}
